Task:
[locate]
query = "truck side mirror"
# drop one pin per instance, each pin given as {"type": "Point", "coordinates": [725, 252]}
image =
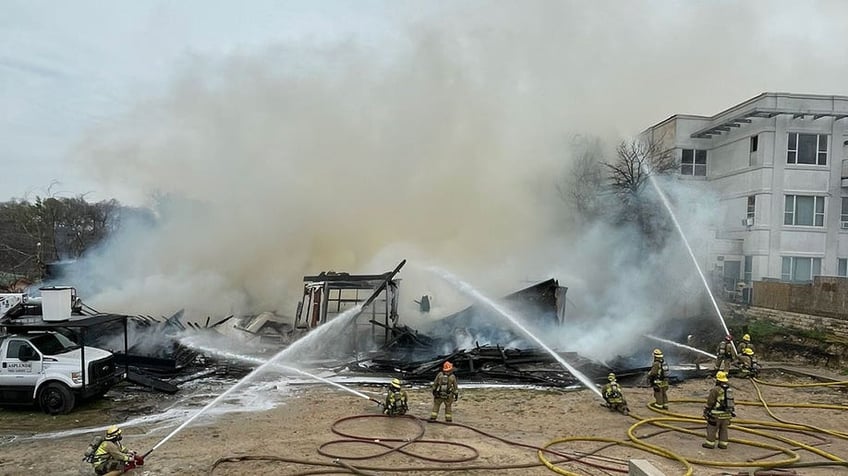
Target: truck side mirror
{"type": "Point", "coordinates": [25, 353]}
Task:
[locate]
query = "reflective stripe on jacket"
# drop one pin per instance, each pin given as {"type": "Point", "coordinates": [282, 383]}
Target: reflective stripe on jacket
{"type": "Point", "coordinates": [720, 402]}
{"type": "Point", "coordinates": [110, 450]}
{"type": "Point", "coordinates": [612, 393]}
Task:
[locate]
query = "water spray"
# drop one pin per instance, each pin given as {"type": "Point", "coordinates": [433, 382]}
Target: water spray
{"type": "Point", "coordinates": [693, 349]}
{"type": "Point", "coordinates": [285, 368]}
{"type": "Point", "coordinates": [340, 320]}
{"type": "Point", "coordinates": [677, 226]}
{"type": "Point", "coordinates": [477, 296]}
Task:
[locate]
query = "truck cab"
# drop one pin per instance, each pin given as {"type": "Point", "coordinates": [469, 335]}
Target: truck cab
{"type": "Point", "coordinates": [49, 369]}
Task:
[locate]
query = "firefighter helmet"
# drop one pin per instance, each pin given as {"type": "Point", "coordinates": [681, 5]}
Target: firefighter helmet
{"type": "Point", "coordinates": [113, 433]}
{"type": "Point", "coordinates": [447, 367]}
{"type": "Point", "coordinates": [611, 377]}
{"type": "Point", "coordinates": [395, 383]}
{"type": "Point", "coordinates": [721, 376]}
{"type": "Point", "coordinates": [746, 338]}
{"type": "Point", "coordinates": [748, 351]}
{"type": "Point", "coordinates": [658, 354]}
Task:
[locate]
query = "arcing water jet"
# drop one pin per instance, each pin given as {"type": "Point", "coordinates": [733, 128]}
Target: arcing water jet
{"type": "Point", "coordinates": [667, 205]}
{"type": "Point", "coordinates": [340, 320]}
{"type": "Point", "coordinates": [468, 290]}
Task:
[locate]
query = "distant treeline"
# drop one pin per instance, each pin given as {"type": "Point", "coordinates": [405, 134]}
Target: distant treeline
{"type": "Point", "coordinates": [45, 230]}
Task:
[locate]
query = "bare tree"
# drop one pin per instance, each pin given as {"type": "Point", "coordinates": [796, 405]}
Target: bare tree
{"type": "Point", "coordinates": [636, 161]}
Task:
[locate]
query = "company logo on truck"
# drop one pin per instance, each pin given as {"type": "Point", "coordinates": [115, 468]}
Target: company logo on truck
{"type": "Point", "coordinates": [18, 367]}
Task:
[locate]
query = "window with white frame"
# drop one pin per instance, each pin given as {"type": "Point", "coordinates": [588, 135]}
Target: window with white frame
{"type": "Point", "coordinates": [842, 267]}
{"type": "Point", "coordinates": [809, 149]}
{"type": "Point", "coordinates": [795, 268]}
{"type": "Point", "coordinates": [803, 210]}
{"type": "Point", "coordinates": [693, 162]}
{"type": "Point", "coordinates": [843, 217]}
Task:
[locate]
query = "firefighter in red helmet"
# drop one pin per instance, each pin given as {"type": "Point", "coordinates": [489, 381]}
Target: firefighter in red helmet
{"type": "Point", "coordinates": [445, 390]}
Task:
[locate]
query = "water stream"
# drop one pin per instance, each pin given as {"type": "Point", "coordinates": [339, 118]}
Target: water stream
{"type": "Point", "coordinates": [316, 335]}
{"type": "Point", "coordinates": [258, 361]}
{"type": "Point", "coordinates": [682, 346]}
{"type": "Point", "coordinates": [468, 290]}
{"type": "Point", "coordinates": [667, 205]}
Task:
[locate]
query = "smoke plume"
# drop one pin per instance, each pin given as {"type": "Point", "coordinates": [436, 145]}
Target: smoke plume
{"type": "Point", "coordinates": [442, 144]}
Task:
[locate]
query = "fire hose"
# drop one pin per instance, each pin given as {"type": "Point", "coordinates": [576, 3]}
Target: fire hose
{"type": "Point", "coordinates": [401, 448]}
{"type": "Point", "coordinates": [792, 460]}
{"type": "Point", "coordinates": [668, 421]}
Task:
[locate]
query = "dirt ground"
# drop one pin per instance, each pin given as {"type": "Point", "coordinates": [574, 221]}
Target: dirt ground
{"type": "Point", "coordinates": [533, 417]}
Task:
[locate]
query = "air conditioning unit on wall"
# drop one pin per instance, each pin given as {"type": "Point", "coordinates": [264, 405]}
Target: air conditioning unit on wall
{"type": "Point", "coordinates": [748, 222]}
{"type": "Point", "coordinates": [845, 225]}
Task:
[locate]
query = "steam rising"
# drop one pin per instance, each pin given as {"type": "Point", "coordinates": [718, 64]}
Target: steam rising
{"type": "Point", "coordinates": [444, 146]}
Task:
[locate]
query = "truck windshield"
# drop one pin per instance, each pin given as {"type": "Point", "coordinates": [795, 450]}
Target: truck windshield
{"type": "Point", "coordinates": [52, 344]}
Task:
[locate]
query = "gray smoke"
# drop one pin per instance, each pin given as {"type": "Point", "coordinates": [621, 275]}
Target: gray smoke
{"type": "Point", "coordinates": [443, 145]}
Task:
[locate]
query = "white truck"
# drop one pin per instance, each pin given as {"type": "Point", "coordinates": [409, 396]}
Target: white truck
{"type": "Point", "coordinates": [48, 368]}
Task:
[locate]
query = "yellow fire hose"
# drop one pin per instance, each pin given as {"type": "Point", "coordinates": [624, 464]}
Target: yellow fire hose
{"type": "Point", "coordinates": [743, 425]}
{"type": "Point", "coordinates": [801, 385]}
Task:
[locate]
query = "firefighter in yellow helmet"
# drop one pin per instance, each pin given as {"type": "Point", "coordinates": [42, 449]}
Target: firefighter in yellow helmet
{"type": "Point", "coordinates": [658, 378]}
{"type": "Point", "coordinates": [396, 401]}
{"type": "Point", "coordinates": [445, 390]}
{"type": "Point", "coordinates": [748, 363]}
{"type": "Point", "coordinates": [745, 343]}
{"type": "Point", "coordinates": [111, 458]}
{"type": "Point", "coordinates": [614, 397]}
{"type": "Point", "coordinates": [718, 412]}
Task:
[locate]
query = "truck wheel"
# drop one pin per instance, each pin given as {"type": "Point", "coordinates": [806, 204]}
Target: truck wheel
{"type": "Point", "coordinates": [56, 398]}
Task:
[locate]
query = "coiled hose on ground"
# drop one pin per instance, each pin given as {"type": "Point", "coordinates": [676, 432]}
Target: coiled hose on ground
{"type": "Point", "coordinates": [553, 458]}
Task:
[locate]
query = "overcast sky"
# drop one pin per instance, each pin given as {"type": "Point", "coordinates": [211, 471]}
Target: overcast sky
{"type": "Point", "coordinates": [69, 67]}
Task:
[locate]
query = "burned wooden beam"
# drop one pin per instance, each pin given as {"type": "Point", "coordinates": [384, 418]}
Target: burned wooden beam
{"type": "Point", "coordinates": [222, 321]}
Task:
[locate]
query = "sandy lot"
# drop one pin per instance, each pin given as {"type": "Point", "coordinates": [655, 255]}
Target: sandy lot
{"type": "Point", "coordinates": [304, 423]}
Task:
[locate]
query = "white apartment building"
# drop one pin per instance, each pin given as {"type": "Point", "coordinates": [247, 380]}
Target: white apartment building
{"type": "Point", "coordinates": [780, 165]}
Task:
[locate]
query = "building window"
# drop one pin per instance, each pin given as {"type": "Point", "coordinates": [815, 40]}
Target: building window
{"type": "Point", "coordinates": [694, 162]}
{"type": "Point", "coordinates": [810, 149]}
{"type": "Point", "coordinates": [803, 210]}
{"type": "Point", "coordinates": [748, 274]}
{"type": "Point", "coordinates": [795, 268]}
{"type": "Point", "coordinates": [842, 267]}
{"type": "Point", "coordinates": [843, 217]}
{"type": "Point", "coordinates": [752, 155]}
{"type": "Point", "coordinates": [752, 205]}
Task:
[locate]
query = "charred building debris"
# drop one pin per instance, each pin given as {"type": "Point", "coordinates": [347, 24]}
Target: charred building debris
{"type": "Point", "coordinates": [481, 347]}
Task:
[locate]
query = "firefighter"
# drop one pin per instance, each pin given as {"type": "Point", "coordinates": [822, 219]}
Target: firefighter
{"type": "Point", "coordinates": [396, 402]}
{"type": "Point", "coordinates": [445, 390]}
{"type": "Point", "coordinates": [111, 457]}
{"type": "Point", "coordinates": [613, 396]}
{"type": "Point", "coordinates": [745, 344]}
{"type": "Point", "coordinates": [658, 378]}
{"type": "Point", "coordinates": [748, 363]}
{"type": "Point", "coordinates": [718, 412]}
{"type": "Point", "coordinates": [724, 354]}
